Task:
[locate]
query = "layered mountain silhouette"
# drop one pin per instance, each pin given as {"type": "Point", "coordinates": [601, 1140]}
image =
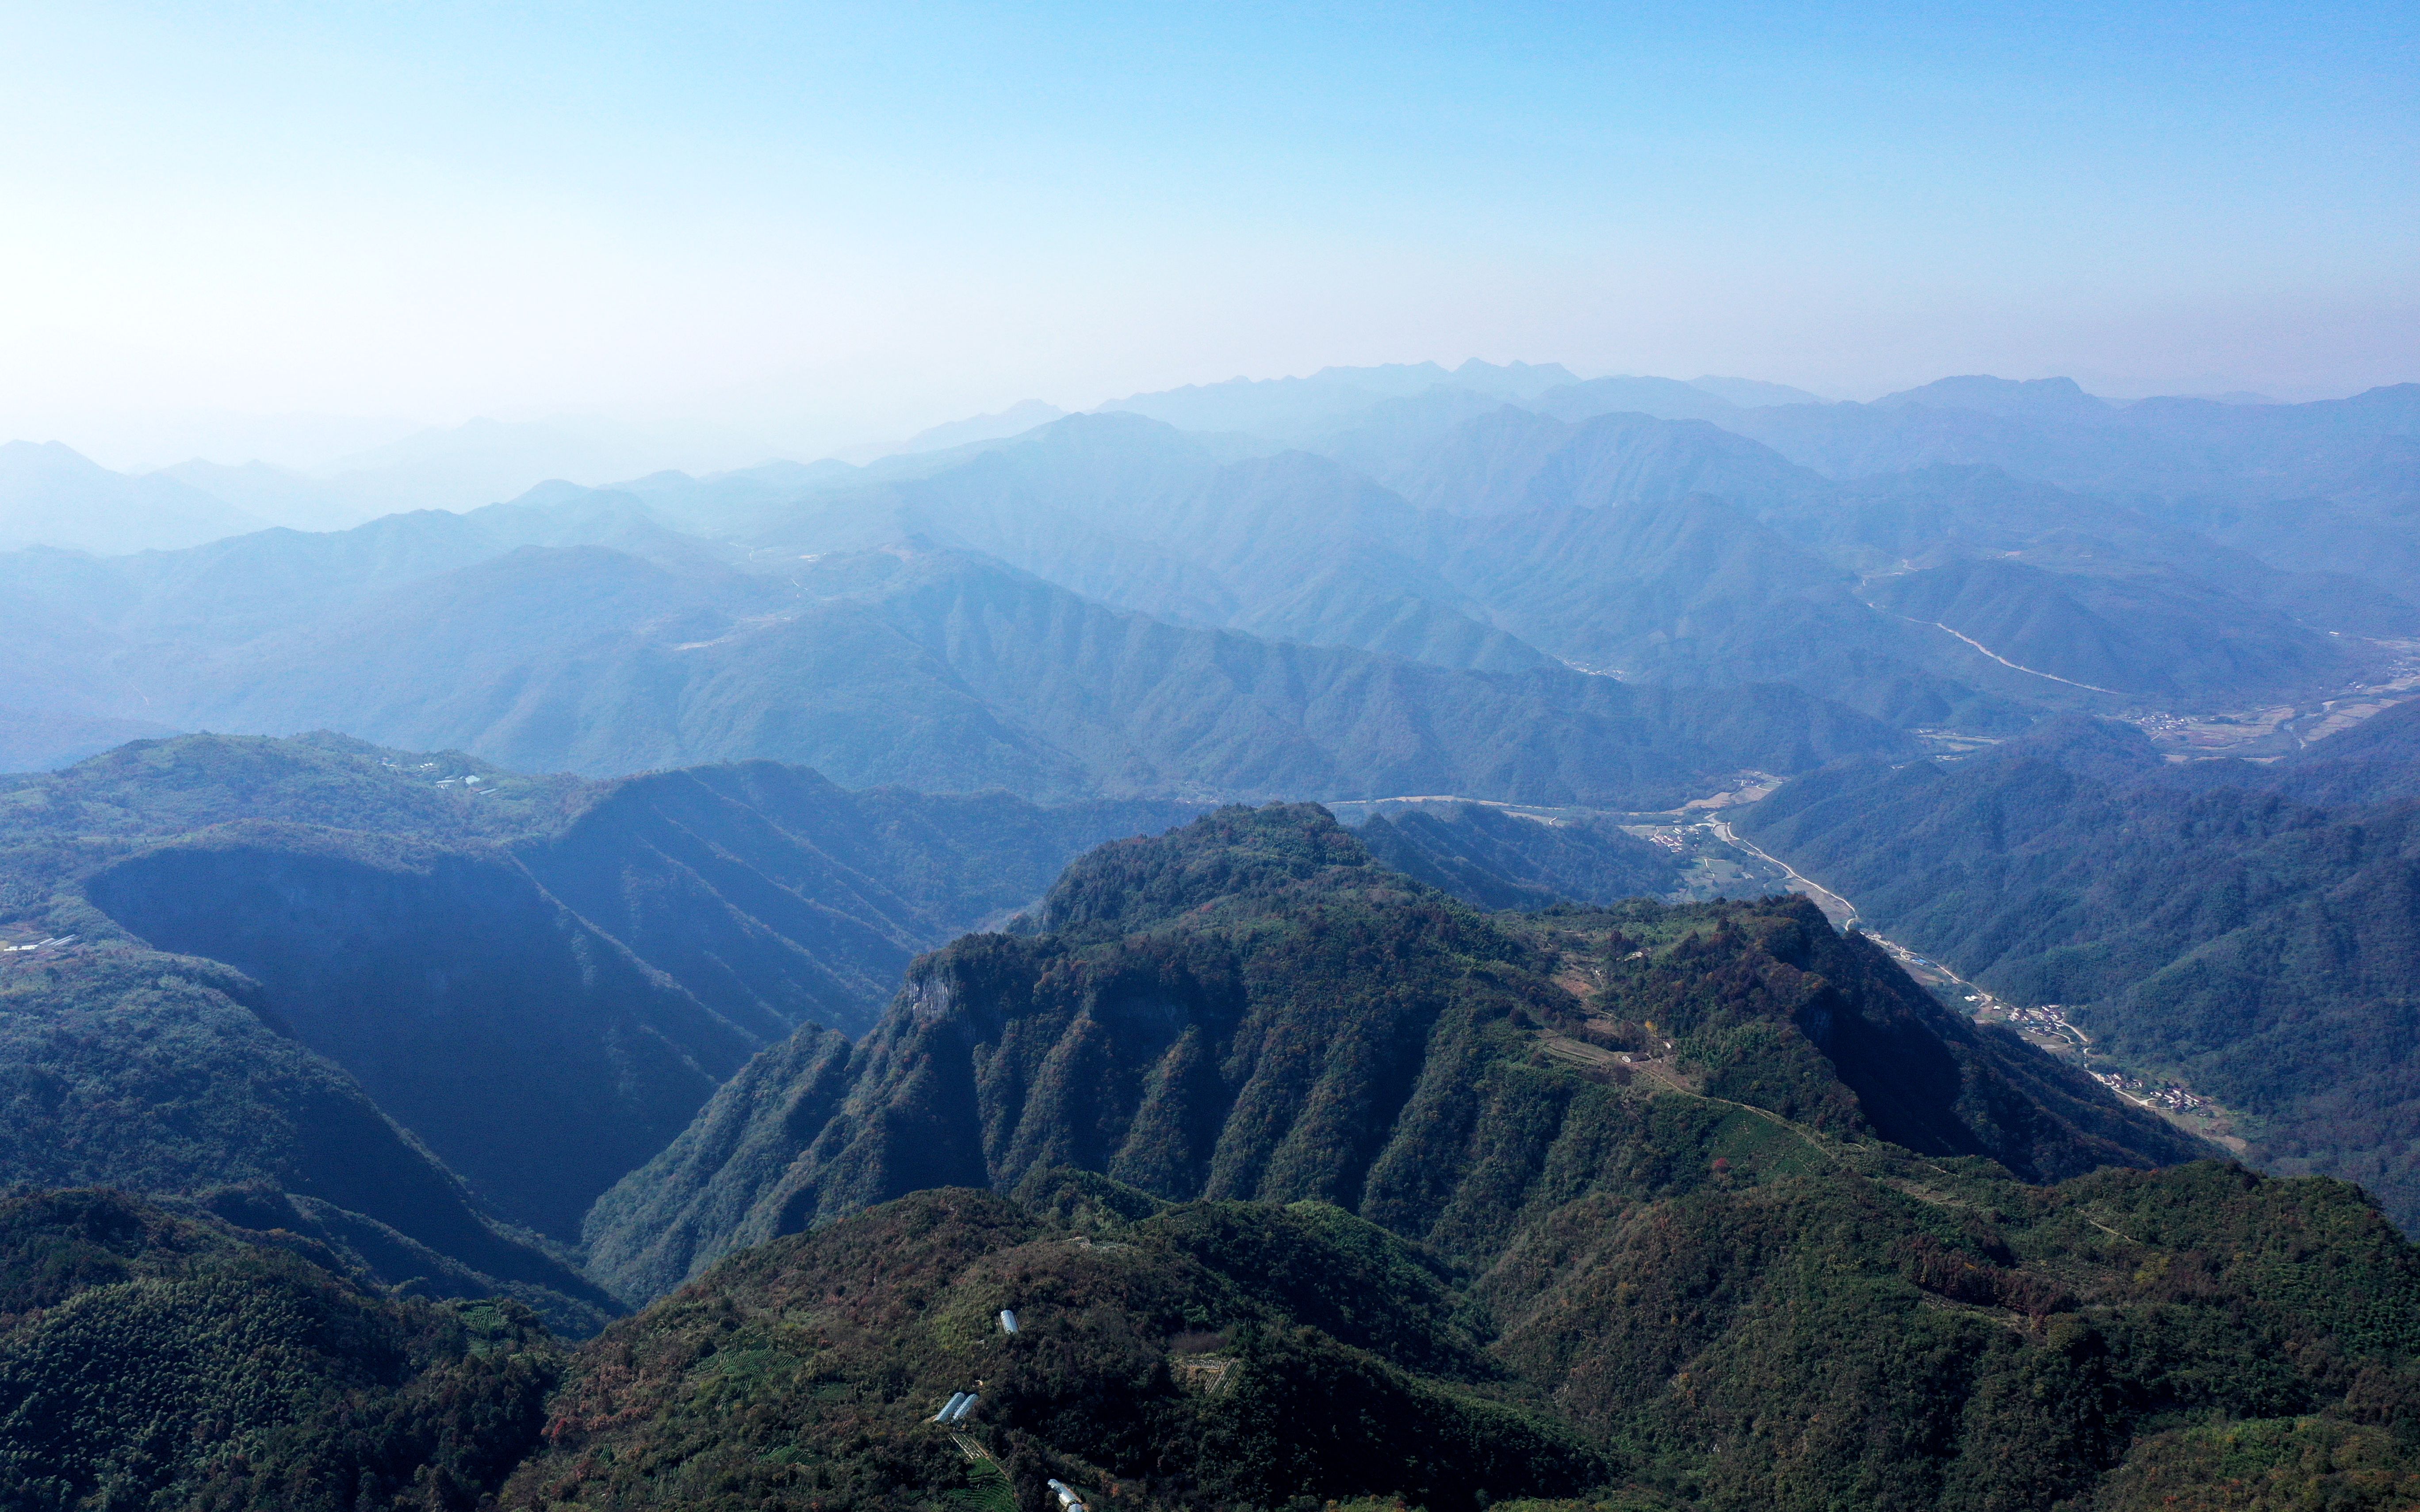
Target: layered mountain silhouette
{"type": "Point", "coordinates": [926, 668]}
{"type": "Point", "coordinates": [53, 496]}
{"type": "Point", "coordinates": [1488, 520]}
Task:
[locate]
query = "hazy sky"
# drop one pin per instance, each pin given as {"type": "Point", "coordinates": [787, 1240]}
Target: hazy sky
{"type": "Point", "coordinates": [814, 225]}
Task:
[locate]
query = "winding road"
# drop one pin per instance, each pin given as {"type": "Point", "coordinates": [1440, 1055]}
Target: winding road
{"type": "Point", "coordinates": [1837, 909]}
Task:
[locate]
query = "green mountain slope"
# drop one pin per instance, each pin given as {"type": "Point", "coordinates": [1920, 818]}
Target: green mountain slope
{"type": "Point", "coordinates": [1798, 1322]}
{"type": "Point", "coordinates": [1783, 1254]}
{"type": "Point", "coordinates": [1250, 1007]}
{"type": "Point", "coordinates": [2255, 947]}
{"type": "Point", "coordinates": [1306, 1182]}
{"type": "Point", "coordinates": [152, 1361]}
{"type": "Point", "coordinates": [148, 788]}
{"type": "Point", "coordinates": [1330, 1363]}
{"type": "Point", "coordinates": [542, 978]}
{"type": "Point", "coordinates": [157, 1075]}
{"type": "Point", "coordinates": [532, 1051]}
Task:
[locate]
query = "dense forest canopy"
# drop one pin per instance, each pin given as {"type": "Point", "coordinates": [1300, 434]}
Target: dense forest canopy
{"type": "Point", "coordinates": [1299, 1178]}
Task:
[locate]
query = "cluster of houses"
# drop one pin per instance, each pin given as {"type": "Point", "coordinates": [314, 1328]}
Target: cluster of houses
{"type": "Point", "coordinates": [2163, 1094]}
{"type": "Point", "coordinates": [473, 783]}
{"type": "Point", "coordinates": [2046, 1019]}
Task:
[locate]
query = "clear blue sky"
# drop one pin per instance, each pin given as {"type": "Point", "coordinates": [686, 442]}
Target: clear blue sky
{"type": "Point", "coordinates": [825, 223]}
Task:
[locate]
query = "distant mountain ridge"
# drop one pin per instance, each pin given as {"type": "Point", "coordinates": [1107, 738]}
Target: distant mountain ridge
{"type": "Point", "coordinates": [55, 496]}
{"type": "Point", "coordinates": [1492, 519]}
{"type": "Point", "coordinates": [903, 664]}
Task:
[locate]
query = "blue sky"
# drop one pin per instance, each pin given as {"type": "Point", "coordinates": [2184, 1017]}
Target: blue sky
{"type": "Point", "coordinates": [810, 225]}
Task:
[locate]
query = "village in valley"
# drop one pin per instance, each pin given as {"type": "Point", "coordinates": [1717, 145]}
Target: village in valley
{"type": "Point", "coordinates": [2047, 1028]}
{"type": "Point", "coordinates": [1717, 861]}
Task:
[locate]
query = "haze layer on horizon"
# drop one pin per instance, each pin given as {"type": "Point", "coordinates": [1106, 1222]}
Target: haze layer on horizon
{"type": "Point", "coordinates": [807, 228]}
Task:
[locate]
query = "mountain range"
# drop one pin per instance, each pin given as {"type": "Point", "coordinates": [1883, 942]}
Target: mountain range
{"type": "Point", "coordinates": [679, 621]}
{"type": "Point", "coordinates": [1243, 1169]}
{"type": "Point", "coordinates": [831, 985]}
{"type": "Point", "coordinates": [398, 916]}
{"type": "Point", "coordinates": [1189, 1018]}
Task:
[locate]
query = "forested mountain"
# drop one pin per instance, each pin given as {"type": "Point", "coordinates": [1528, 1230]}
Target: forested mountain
{"type": "Point", "coordinates": [1299, 1176]}
{"type": "Point", "coordinates": [1250, 1007]}
{"type": "Point", "coordinates": [399, 915]}
{"type": "Point", "coordinates": [1747, 1260]}
{"type": "Point", "coordinates": [172, 1076]}
{"type": "Point", "coordinates": [1763, 1329]}
{"type": "Point", "coordinates": [149, 1359]}
{"type": "Point", "coordinates": [533, 1053]}
{"type": "Point", "coordinates": [2248, 929]}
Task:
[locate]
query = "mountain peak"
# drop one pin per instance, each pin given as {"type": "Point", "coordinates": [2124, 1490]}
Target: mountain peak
{"type": "Point", "coordinates": [1235, 851]}
{"type": "Point", "coordinates": [2013, 398]}
{"type": "Point", "coordinates": [1014, 421]}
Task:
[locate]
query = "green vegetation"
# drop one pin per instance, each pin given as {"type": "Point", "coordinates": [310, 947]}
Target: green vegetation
{"type": "Point", "coordinates": [1309, 1184]}
{"type": "Point", "coordinates": [2272, 1466]}
{"type": "Point", "coordinates": [154, 1073]}
{"type": "Point", "coordinates": [1250, 1007]}
{"type": "Point", "coordinates": [148, 1361]}
{"type": "Point", "coordinates": [1868, 1329]}
{"type": "Point", "coordinates": [804, 1370]}
{"type": "Point", "coordinates": [149, 788]}
{"type": "Point", "coordinates": [2200, 924]}
{"type": "Point", "coordinates": [542, 978]}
